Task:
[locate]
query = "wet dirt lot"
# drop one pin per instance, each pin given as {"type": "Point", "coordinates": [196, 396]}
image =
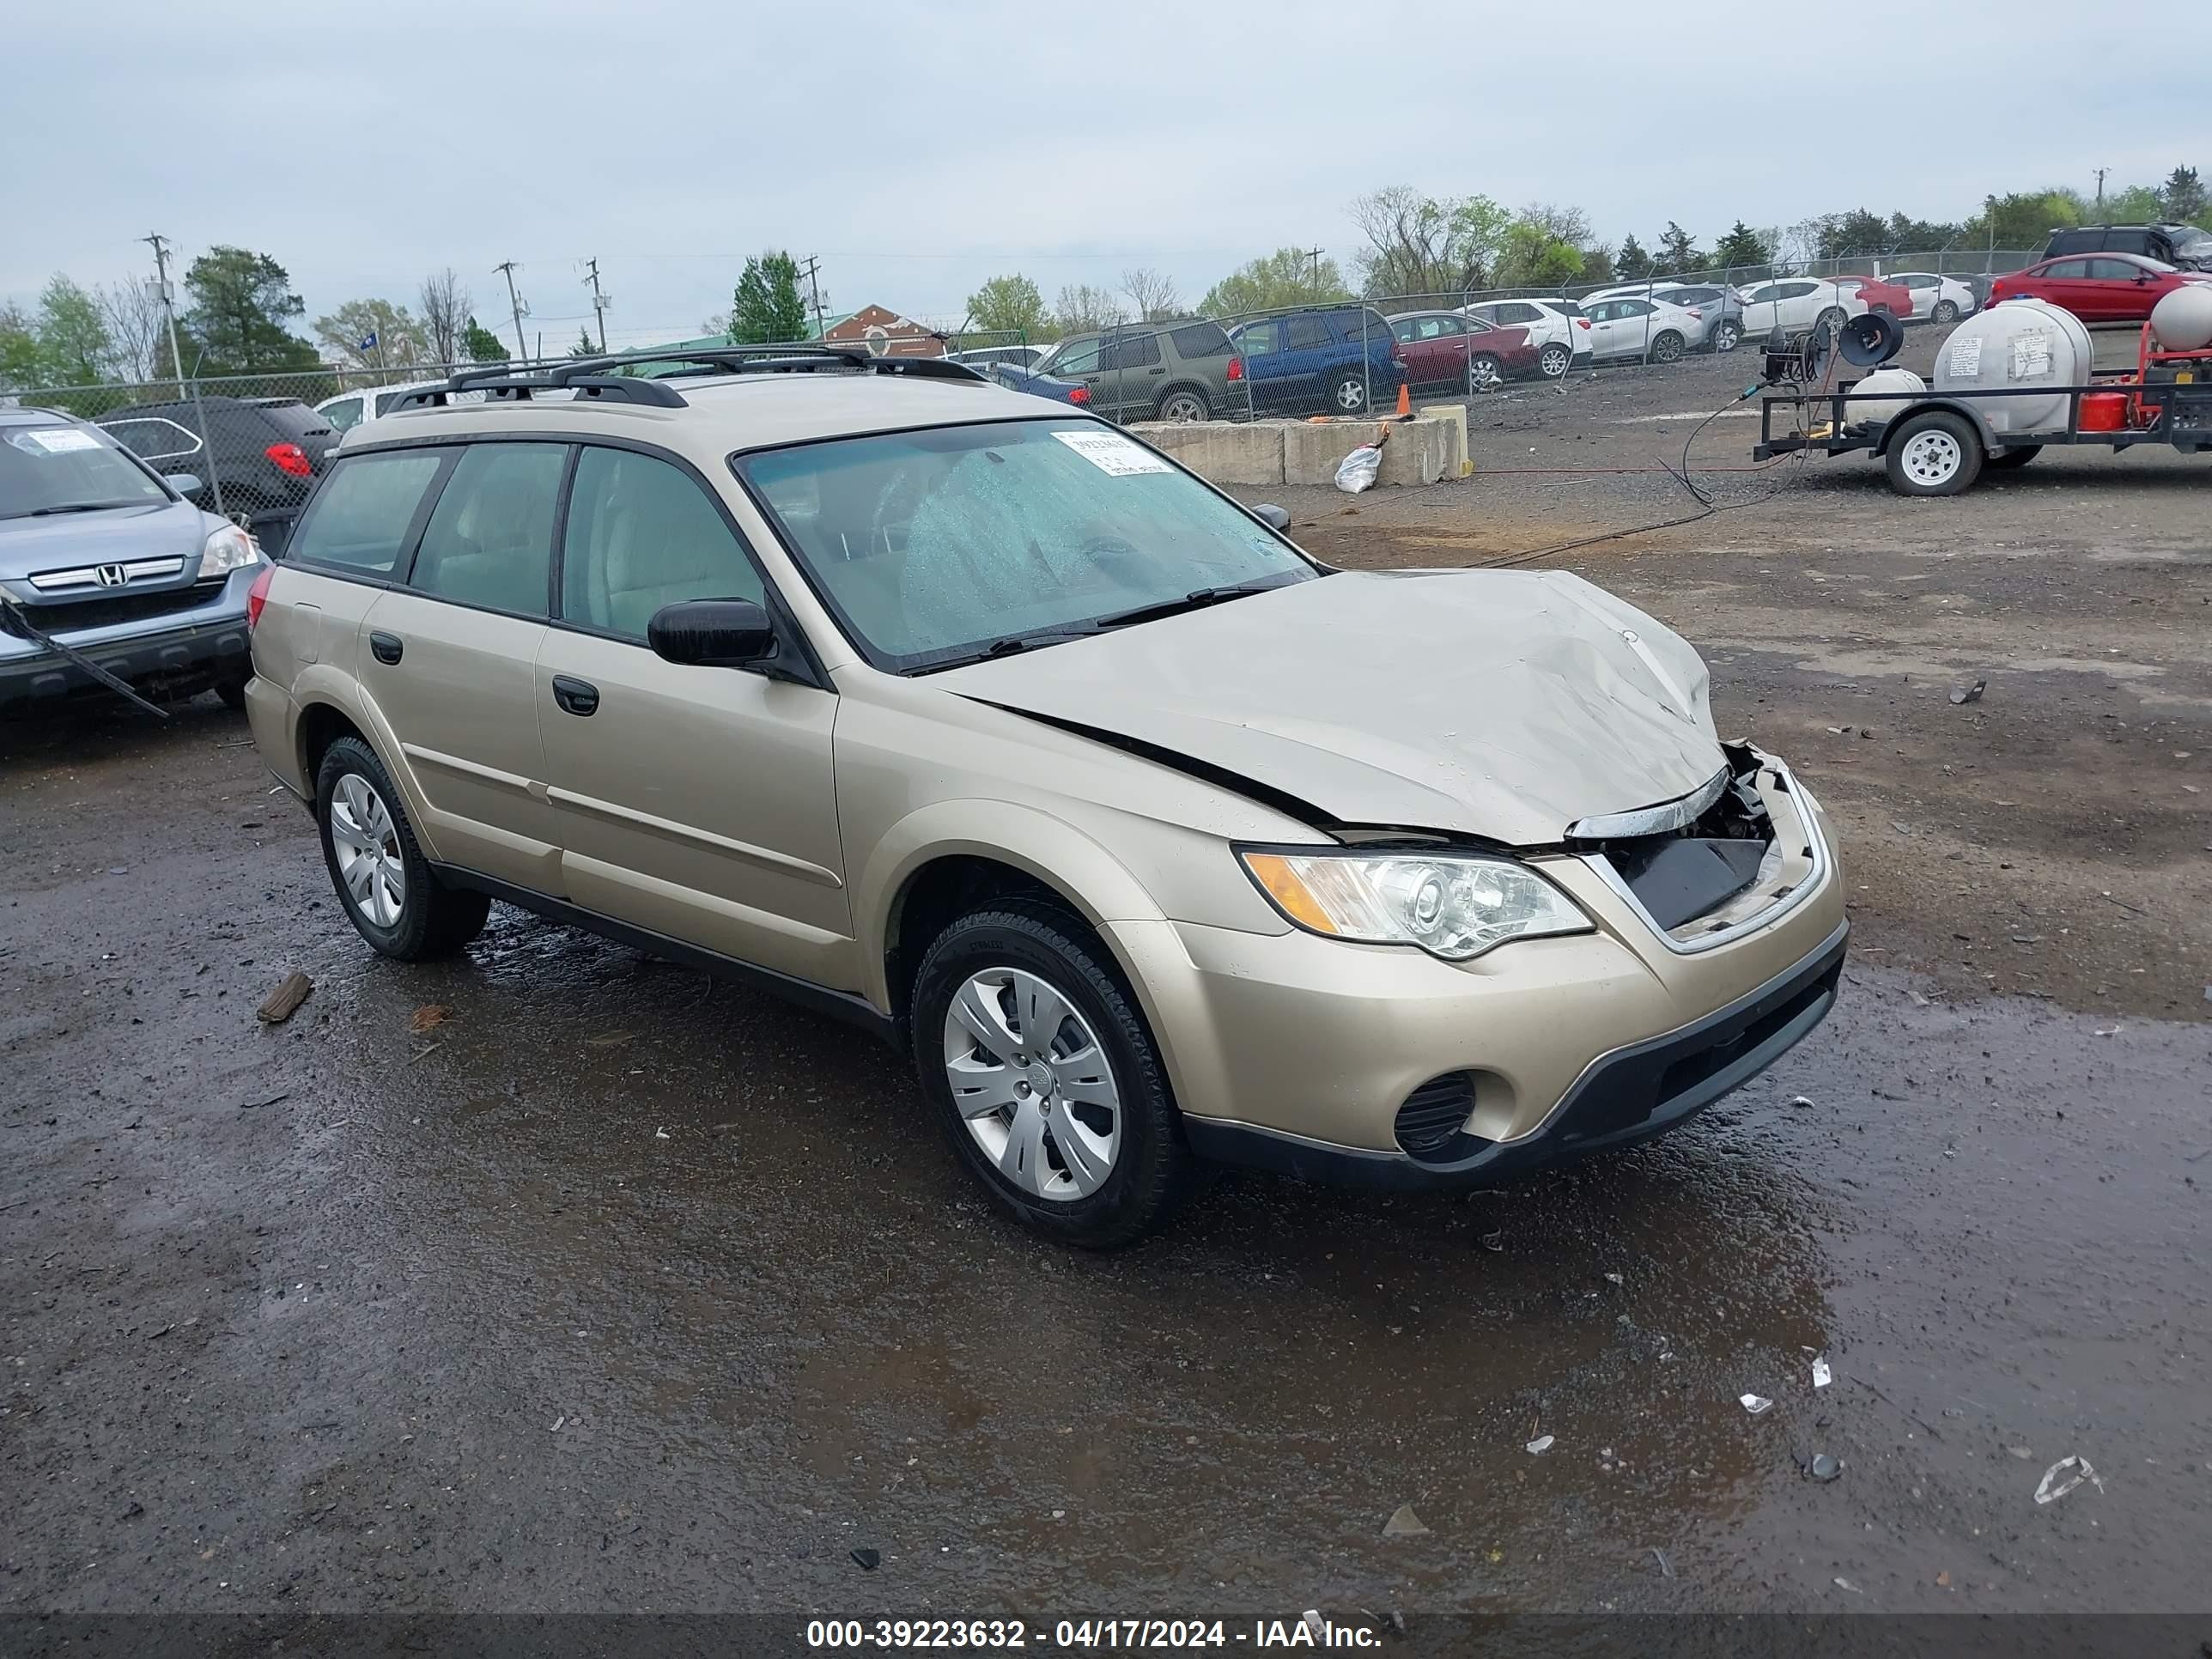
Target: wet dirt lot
{"type": "Point", "coordinates": [618, 1288]}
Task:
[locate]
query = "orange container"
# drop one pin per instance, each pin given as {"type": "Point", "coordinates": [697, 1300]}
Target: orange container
{"type": "Point", "coordinates": [2103, 411]}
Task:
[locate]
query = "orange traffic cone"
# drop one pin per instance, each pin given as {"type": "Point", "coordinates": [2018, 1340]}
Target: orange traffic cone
{"type": "Point", "coordinates": [1404, 400]}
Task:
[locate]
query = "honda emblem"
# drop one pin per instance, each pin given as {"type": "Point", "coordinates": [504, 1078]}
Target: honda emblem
{"type": "Point", "coordinates": [111, 575]}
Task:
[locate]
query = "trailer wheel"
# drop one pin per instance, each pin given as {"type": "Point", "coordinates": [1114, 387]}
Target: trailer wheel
{"type": "Point", "coordinates": [2019, 456]}
{"type": "Point", "coordinates": [1935, 453]}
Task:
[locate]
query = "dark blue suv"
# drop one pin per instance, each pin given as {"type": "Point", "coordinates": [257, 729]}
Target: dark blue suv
{"type": "Point", "coordinates": [1338, 359]}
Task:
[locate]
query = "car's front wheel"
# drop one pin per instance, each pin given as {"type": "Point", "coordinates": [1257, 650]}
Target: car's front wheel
{"type": "Point", "coordinates": [1045, 1077]}
{"type": "Point", "coordinates": [1486, 372]}
{"type": "Point", "coordinates": [1554, 359]}
{"type": "Point", "coordinates": [393, 897]}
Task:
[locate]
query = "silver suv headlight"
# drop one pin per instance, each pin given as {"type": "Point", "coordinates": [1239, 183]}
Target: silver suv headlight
{"type": "Point", "coordinates": [228, 549]}
{"type": "Point", "coordinates": [1455, 906]}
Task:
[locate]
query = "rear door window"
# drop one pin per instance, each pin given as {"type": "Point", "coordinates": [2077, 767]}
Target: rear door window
{"type": "Point", "coordinates": [1141, 351]}
{"type": "Point", "coordinates": [1306, 333]}
{"type": "Point", "coordinates": [361, 517]}
{"type": "Point", "coordinates": [2113, 271]}
{"type": "Point", "coordinates": [489, 541]}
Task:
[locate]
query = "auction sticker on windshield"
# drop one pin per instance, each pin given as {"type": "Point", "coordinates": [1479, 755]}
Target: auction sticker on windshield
{"type": "Point", "coordinates": [56, 441]}
{"type": "Point", "coordinates": [1109, 452]}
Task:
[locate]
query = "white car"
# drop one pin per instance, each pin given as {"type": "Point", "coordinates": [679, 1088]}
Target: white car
{"type": "Point", "coordinates": [1557, 328]}
{"type": "Point", "coordinates": [1937, 299]}
{"type": "Point", "coordinates": [351, 409]}
{"type": "Point", "coordinates": [982, 357]}
{"type": "Point", "coordinates": [1653, 330]}
{"type": "Point", "coordinates": [1796, 303]}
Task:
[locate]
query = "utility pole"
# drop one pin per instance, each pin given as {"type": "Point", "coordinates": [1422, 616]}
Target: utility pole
{"type": "Point", "coordinates": [813, 264]}
{"type": "Point", "coordinates": [515, 306]}
{"type": "Point", "coordinates": [2102, 172]}
{"type": "Point", "coordinates": [167, 296]}
{"type": "Point", "coordinates": [1314, 254]}
{"type": "Point", "coordinates": [599, 301]}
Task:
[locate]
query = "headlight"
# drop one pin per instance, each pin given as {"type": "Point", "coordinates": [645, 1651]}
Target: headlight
{"type": "Point", "coordinates": [228, 549]}
{"type": "Point", "coordinates": [1452, 907]}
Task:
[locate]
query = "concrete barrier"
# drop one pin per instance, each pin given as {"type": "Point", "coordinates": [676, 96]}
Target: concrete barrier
{"type": "Point", "coordinates": [1220, 452]}
{"type": "Point", "coordinates": [1459, 459]}
{"type": "Point", "coordinates": [1420, 451]}
{"type": "Point", "coordinates": [1414, 455]}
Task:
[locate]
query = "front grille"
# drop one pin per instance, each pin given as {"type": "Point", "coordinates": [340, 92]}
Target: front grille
{"type": "Point", "coordinates": [1433, 1115]}
{"type": "Point", "coordinates": [68, 616]}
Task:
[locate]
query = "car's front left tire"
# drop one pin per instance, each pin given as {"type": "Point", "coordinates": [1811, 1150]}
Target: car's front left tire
{"type": "Point", "coordinates": [1045, 1077]}
{"type": "Point", "coordinates": [389, 892]}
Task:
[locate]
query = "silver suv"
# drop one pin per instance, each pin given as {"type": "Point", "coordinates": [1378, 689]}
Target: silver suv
{"type": "Point", "coordinates": [989, 729]}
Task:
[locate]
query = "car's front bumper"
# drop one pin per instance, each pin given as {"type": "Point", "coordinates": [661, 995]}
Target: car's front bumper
{"type": "Point", "coordinates": [188, 648]}
{"type": "Point", "coordinates": [1297, 1052]}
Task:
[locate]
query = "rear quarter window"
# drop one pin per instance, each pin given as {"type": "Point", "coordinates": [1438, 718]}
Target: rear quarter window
{"type": "Point", "coordinates": [1200, 340]}
{"type": "Point", "coordinates": [360, 519]}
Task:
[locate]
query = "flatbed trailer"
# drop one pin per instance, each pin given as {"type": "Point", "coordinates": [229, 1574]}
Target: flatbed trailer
{"type": "Point", "coordinates": [1936, 443]}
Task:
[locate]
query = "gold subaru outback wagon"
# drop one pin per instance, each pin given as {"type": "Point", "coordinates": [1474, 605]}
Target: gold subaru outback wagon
{"type": "Point", "coordinates": [986, 727]}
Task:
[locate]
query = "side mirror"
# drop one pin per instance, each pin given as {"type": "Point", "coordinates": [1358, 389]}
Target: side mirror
{"type": "Point", "coordinates": [712, 633]}
{"type": "Point", "coordinates": [184, 484]}
{"type": "Point", "coordinates": [1274, 517]}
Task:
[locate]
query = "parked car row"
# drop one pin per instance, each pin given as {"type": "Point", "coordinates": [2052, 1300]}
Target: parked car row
{"type": "Point", "coordinates": [255, 458]}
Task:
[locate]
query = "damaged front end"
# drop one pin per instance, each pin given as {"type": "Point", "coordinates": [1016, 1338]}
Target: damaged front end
{"type": "Point", "coordinates": [1737, 854]}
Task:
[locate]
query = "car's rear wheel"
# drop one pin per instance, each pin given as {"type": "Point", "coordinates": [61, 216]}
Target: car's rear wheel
{"type": "Point", "coordinates": [1348, 394]}
{"type": "Point", "coordinates": [1554, 359]}
{"type": "Point", "coordinates": [1831, 322]}
{"type": "Point", "coordinates": [1935, 453]}
{"type": "Point", "coordinates": [393, 897]}
{"type": "Point", "coordinates": [232, 690]}
{"type": "Point", "coordinates": [1486, 372]}
{"type": "Point", "coordinates": [1726, 335]}
{"type": "Point", "coordinates": [1946, 313]}
{"type": "Point", "coordinates": [1667, 347]}
{"type": "Point", "coordinates": [1185, 403]}
{"type": "Point", "coordinates": [1046, 1078]}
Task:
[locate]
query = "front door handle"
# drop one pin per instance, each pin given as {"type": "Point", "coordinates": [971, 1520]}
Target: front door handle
{"type": "Point", "coordinates": [387, 647]}
{"type": "Point", "coordinates": [575, 696]}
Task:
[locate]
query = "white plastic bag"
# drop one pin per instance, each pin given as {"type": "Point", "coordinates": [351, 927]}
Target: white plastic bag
{"type": "Point", "coordinates": [1357, 470]}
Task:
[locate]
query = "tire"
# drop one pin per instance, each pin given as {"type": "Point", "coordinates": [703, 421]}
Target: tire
{"type": "Point", "coordinates": [2009, 460]}
{"type": "Point", "coordinates": [233, 692]}
{"type": "Point", "coordinates": [1946, 313]}
{"type": "Point", "coordinates": [1666, 348]}
{"type": "Point", "coordinates": [1555, 361]}
{"type": "Point", "coordinates": [1726, 336]}
{"type": "Point", "coordinates": [1092, 1175]}
{"type": "Point", "coordinates": [1347, 395]}
{"type": "Point", "coordinates": [1934, 454]}
{"type": "Point", "coordinates": [1185, 403]}
{"type": "Point", "coordinates": [1486, 372]}
{"type": "Point", "coordinates": [363, 823]}
{"type": "Point", "coordinates": [1831, 322]}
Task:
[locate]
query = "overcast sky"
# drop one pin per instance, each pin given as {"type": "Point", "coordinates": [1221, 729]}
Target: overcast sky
{"type": "Point", "coordinates": [919, 148]}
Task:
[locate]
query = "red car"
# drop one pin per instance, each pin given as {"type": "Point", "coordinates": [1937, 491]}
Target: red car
{"type": "Point", "coordinates": [2102, 288]}
{"type": "Point", "coordinates": [1881, 294]}
{"type": "Point", "coordinates": [1435, 345]}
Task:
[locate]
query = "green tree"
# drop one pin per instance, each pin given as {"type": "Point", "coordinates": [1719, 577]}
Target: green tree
{"type": "Point", "coordinates": [766, 305]}
{"type": "Point", "coordinates": [482, 344]}
{"type": "Point", "coordinates": [19, 348]}
{"type": "Point", "coordinates": [1742, 246]}
{"type": "Point", "coordinates": [1678, 253]}
{"type": "Point", "coordinates": [1423, 245]}
{"type": "Point", "coordinates": [400, 340]}
{"type": "Point", "coordinates": [584, 347]}
{"type": "Point", "coordinates": [2183, 201]}
{"type": "Point", "coordinates": [1530, 255]}
{"type": "Point", "coordinates": [75, 348]}
{"type": "Point", "coordinates": [1631, 262]}
{"type": "Point", "coordinates": [1597, 263]}
{"type": "Point", "coordinates": [1007, 304]}
{"type": "Point", "coordinates": [236, 324]}
{"type": "Point", "coordinates": [1288, 276]}
{"type": "Point", "coordinates": [1851, 235]}
{"type": "Point", "coordinates": [2024, 219]}
{"type": "Point", "coordinates": [2138, 204]}
{"type": "Point", "coordinates": [1910, 235]}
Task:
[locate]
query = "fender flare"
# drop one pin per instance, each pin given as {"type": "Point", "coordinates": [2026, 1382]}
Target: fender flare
{"type": "Point", "coordinates": [320, 684]}
{"type": "Point", "coordinates": [1962, 406]}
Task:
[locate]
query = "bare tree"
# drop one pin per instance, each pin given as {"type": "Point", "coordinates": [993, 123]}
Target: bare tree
{"type": "Point", "coordinates": [134, 330]}
{"type": "Point", "coordinates": [1083, 308]}
{"type": "Point", "coordinates": [1153, 295]}
{"type": "Point", "coordinates": [446, 303]}
{"type": "Point", "coordinates": [1420, 244]}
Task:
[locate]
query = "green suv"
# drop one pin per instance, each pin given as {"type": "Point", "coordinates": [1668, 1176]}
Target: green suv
{"type": "Point", "coordinates": [1167, 371]}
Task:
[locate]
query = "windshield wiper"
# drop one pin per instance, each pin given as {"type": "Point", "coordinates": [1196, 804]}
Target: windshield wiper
{"type": "Point", "coordinates": [1197, 599]}
{"type": "Point", "coordinates": [1009, 645]}
{"type": "Point", "coordinates": [71, 506]}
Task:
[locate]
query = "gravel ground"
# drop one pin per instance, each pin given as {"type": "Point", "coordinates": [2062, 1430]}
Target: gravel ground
{"type": "Point", "coordinates": [612, 1288]}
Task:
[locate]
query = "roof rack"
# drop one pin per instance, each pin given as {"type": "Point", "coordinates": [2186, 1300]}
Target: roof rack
{"type": "Point", "coordinates": [593, 377]}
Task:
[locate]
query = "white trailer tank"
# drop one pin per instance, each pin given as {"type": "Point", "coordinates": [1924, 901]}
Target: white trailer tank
{"type": "Point", "coordinates": [2016, 343]}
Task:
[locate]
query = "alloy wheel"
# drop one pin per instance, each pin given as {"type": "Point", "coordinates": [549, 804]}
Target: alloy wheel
{"type": "Point", "coordinates": [1554, 361]}
{"type": "Point", "coordinates": [1032, 1084]}
{"type": "Point", "coordinates": [367, 842]}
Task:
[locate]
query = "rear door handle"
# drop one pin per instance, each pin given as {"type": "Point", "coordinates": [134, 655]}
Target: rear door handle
{"type": "Point", "coordinates": [575, 696]}
{"type": "Point", "coordinates": [387, 647]}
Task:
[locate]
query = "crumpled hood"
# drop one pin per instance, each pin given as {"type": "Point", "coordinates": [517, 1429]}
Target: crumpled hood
{"type": "Point", "coordinates": [1503, 704]}
{"type": "Point", "coordinates": [114, 535]}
